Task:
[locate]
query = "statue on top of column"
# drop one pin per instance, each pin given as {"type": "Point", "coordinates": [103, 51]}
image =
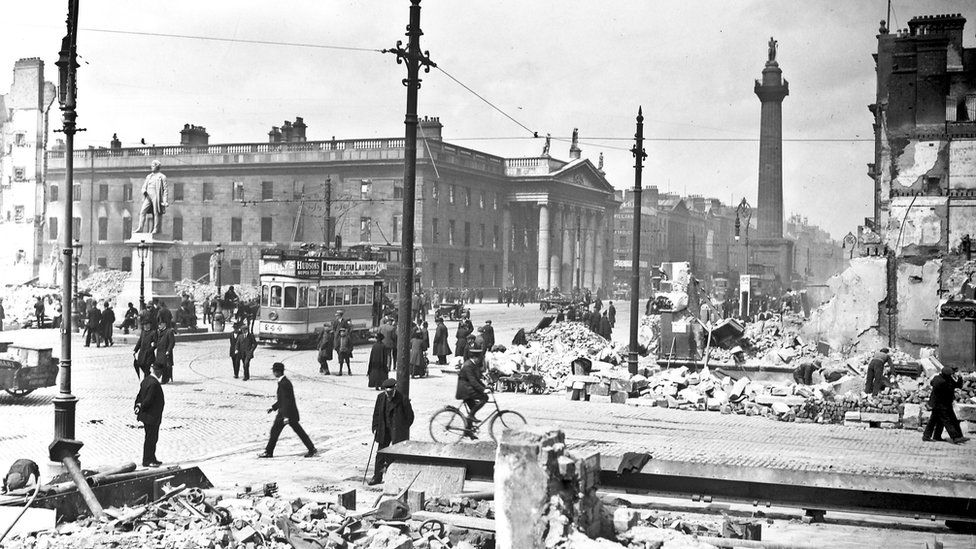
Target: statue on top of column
{"type": "Point", "coordinates": [772, 49]}
{"type": "Point", "coordinates": [155, 198]}
{"type": "Point", "coordinates": [600, 167]}
{"type": "Point", "coordinates": [545, 148]}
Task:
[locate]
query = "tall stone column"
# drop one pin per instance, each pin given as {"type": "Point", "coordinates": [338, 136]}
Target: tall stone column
{"type": "Point", "coordinates": [771, 91]}
{"type": "Point", "coordinates": [598, 257]}
{"type": "Point", "coordinates": [543, 263]}
{"type": "Point", "coordinates": [555, 249]}
{"type": "Point", "coordinates": [569, 237]}
{"type": "Point", "coordinates": [590, 252]}
{"type": "Point", "coordinates": [576, 267]}
{"type": "Point", "coordinates": [506, 245]}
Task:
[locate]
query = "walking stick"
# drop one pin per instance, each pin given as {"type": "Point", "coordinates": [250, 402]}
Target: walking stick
{"type": "Point", "coordinates": [368, 458]}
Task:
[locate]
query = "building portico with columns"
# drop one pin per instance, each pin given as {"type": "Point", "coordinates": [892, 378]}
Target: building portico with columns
{"type": "Point", "coordinates": [557, 224]}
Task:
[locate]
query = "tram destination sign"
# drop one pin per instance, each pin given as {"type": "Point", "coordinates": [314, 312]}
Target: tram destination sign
{"type": "Point", "coordinates": [313, 267]}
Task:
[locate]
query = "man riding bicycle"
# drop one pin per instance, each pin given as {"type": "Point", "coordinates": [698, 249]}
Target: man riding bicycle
{"type": "Point", "coordinates": [470, 387]}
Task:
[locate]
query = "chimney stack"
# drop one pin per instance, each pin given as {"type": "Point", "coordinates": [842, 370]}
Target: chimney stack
{"type": "Point", "coordinates": [115, 144]}
{"type": "Point", "coordinates": [194, 136]}
{"type": "Point", "coordinates": [430, 128]}
{"type": "Point", "coordinates": [299, 127]}
{"type": "Point", "coordinates": [274, 136]}
{"type": "Point", "coordinates": [286, 132]}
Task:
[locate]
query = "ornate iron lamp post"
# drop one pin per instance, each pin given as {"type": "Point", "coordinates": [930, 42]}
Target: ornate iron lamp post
{"type": "Point", "coordinates": [76, 314]}
{"type": "Point", "coordinates": [743, 211]}
{"type": "Point", "coordinates": [219, 252]}
{"type": "Point", "coordinates": [143, 252]}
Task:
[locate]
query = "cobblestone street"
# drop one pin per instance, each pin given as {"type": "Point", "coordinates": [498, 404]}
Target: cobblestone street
{"type": "Point", "coordinates": [220, 422]}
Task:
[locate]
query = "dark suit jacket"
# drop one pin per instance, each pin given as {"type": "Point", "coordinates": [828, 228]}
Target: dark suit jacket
{"type": "Point", "coordinates": [285, 405]}
{"type": "Point", "coordinates": [145, 346]}
{"type": "Point", "coordinates": [150, 401]}
{"type": "Point", "coordinates": [165, 316]}
{"type": "Point", "coordinates": [165, 341]}
{"type": "Point", "coordinates": [469, 384]}
{"type": "Point", "coordinates": [394, 415]}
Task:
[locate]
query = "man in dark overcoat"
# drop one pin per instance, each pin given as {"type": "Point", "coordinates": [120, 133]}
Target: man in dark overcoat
{"type": "Point", "coordinates": [488, 333]}
{"type": "Point", "coordinates": [392, 418]}
{"type": "Point", "coordinates": [943, 415]}
{"type": "Point", "coordinates": [441, 347]}
{"type": "Point", "coordinates": [144, 353]}
{"type": "Point", "coordinates": [165, 342]}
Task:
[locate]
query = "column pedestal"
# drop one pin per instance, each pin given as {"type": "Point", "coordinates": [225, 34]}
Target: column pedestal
{"type": "Point", "coordinates": [156, 286]}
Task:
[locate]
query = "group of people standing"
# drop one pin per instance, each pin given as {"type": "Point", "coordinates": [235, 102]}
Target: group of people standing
{"type": "Point", "coordinates": [99, 324]}
{"type": "Point", "coordinates": [600, 321]}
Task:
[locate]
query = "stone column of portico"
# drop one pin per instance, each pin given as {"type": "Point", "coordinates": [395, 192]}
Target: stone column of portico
{"type": "Point", "coordinates": [555, 248]}
{"type": "Point", "coordinates": [601, 242]}
{"type": "Point", "coordinates": [576, 249]}
{"type": "Point", "coordinates": [569, 237]}
{"type": "Point", "coordinates": [506, 244]}
{"type": "Point", "coordinates": [589, 253]}
{"type": "Point", "coordinates": [543, 263]}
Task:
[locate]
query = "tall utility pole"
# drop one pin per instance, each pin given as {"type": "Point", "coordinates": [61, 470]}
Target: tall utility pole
{"type": "Point", "coordinates": [328, 211]}
{"type": "Point", "coordinates": [65, 402]}
{"type": "Point", "coordinates": [640, 155]}
{"type": "Point", "coordinates": [414, 58]}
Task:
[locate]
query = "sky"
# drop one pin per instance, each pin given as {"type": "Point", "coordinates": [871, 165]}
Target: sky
{"type": "Point", "coordinates": [550, 65]}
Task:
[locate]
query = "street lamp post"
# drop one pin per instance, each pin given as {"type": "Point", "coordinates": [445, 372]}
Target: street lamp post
{"type": "Point", "coordinates": [143, 252]}
{"type": "Point", "coordinates": [220, 264]}
{"type": "Point", "coordinates": [743, 211]}
{"type": "Point", "coordinates": [76, 314]}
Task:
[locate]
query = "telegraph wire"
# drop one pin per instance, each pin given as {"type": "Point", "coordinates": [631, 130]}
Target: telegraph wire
{"type": "Point", "coordinates": [236, 40]}
{"type": "Point", "coordinates": [490, 104]}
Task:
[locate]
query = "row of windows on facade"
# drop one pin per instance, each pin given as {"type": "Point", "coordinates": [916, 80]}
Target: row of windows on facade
{"type": "Point", "coordinates": [267, 224]}
{"type": "Point", "coordinates": [177, 193]}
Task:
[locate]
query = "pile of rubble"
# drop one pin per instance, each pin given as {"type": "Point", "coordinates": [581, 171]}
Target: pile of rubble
{"type": "Point", "coordinates": [199, 291]}
{"type": "Point", "coordinates": [18, 303]}
{"type": "Point", "coordinates": [103, 284]}
{"type": "Point", "coordinates": [551, 352]}
{"type": "Point", "coordinates": [212, 519]}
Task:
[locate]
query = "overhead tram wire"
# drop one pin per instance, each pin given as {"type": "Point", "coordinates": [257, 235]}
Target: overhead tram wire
{"type": "Point", "coordinates": [489, 103]}
{"type": "Point", "coordinates": [237, 40]}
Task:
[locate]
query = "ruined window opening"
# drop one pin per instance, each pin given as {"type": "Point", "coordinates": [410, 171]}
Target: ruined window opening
{"type": "Point", "coordinates": [932, 186]}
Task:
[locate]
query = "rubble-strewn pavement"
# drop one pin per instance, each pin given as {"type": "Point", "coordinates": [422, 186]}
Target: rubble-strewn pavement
{"type": "Point", "coordinates": [221, 423]}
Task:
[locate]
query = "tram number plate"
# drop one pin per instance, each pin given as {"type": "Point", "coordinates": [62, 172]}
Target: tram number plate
{"type": "Point", "coordinates": [268, 327]}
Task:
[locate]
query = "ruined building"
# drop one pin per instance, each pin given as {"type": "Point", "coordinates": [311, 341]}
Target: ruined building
{"type": "Point", "coordinates": [924, 176]}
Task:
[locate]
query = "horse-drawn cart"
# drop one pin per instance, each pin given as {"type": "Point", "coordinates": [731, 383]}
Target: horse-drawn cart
{"type": "Point", "coordinates": [453, 311]}
{"type": "Point", "coordinates": [24, 369]}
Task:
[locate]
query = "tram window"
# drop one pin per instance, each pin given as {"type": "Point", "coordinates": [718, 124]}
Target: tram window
{"type": "Point", "coordinates": [276, 296]}
{"type": "Point", "coordinates": [313, 296]}
{"type": "Point", "coordinates": [347, 296]}
{"type": "Point", "coordinates": [369, 295]}
{"type": "Point", "coordinates": [362, 295]}
{"type": "Point", "coordinates": [265, 294]}
{"type": "Point", "coordinates": [303, 296]}
{"type": "Point", "coordinates": [354, 298]}
{"type": "Point", "coordinates": [291, 296]}
{"type": "Point", "coordinates": [330, 301]}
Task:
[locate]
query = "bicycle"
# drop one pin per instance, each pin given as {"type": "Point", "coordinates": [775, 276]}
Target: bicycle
{"type": "Point", "coordinates": [448, 425]}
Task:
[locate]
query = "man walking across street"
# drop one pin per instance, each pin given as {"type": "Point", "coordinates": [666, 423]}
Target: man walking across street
{"type": "Point", "coordinates": [874, 381]}
{"type": "Point", "coordinates": [93, 328]}
{"type": "Point", "coordinates": [612, 314]}
{"type": "Point", "coordinates": [242, 345]}
{"type": "Point", "coordinates": [287, 410]}
{"type": "Point", "coordinates": [392, 418]}
{"type": "Point", "coordinates": [149, 410]}
{"type": "Point", "coordinates": [325, 350]}
{"type": "Point", "coordinates": [943, 394]}
{"type": "Point", "coordinates": [488, 333]}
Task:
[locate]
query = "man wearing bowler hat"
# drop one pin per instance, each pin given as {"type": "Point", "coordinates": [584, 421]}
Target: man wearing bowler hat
{"type": "Point", "coordinates": [287, 413]}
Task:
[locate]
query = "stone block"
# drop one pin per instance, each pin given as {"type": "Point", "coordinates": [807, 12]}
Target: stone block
{"type": "Point", "coordinates": [618, 397]}
{"type": "Point", "coordinates": [416, 500]}
{"type": "Point", "coordinates": [598, 389]}
{"type": "Point", "coordinates": [624, 519]}
{"type": "Point", "coordinates": [966, 427]}
{"type": "Point", "coordinates": [588, 467]}
{"type": "Point", "coordinates": [624, 385]}
{"type": "Point", "coordinates": [879, 417]}
{"type": "Point", "coordinates": [964, 411]}
{"type": "Point", "coordinates": [523, 478]}
{"type": "Point", "coordinates": [572, 394]}
{"type": "Point", "coordinates": [852, 416]}
{"type": "Point", "coordinates": [567, 467]}
{"type": "Point", "coordinates": [858, 424]}
{"type": "Point", "coordinates": [662, 402]}
{"type": "Point", "coordinates": [888, 425]}
{"type": "Point", "coordinates": [602, 399]}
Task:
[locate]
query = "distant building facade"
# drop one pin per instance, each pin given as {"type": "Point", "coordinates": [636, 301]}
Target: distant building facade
{"type": "Point", "coordinates": [482, 221]}
{"type": "Point", "coordinates": [24, 115]}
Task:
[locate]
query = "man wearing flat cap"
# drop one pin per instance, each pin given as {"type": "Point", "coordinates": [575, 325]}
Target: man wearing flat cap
{"type": "Point", "coordinates": [287, 414]}
{"type": "Point", "coordinates": [392, 417]}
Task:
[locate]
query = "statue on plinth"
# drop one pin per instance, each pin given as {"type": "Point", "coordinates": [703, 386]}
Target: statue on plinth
{"type": "Point", "coordinates": [155, 198]}
{"type": "Point", "coordinates": [772, 49]}
{"type": "Point", "coordinates": [545, 148]}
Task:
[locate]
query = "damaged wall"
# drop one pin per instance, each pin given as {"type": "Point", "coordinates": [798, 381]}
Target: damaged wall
{"type": "Point", "coordinates": [853, 309]}
{"type": "Point", "coordinates": [918, 303]}
{"type": "Point", "coordinates": [916, 224]}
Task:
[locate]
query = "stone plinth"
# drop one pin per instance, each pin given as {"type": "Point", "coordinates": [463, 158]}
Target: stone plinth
{"type": "Point", "coordinates": [156, 286]}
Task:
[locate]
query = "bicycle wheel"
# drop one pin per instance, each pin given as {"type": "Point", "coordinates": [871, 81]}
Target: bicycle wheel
{"type": "Point", "coordinates": [505, 420]}
{"type": "Point", "coordinates": [447, 425]}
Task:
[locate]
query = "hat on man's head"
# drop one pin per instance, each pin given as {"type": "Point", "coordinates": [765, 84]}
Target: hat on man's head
{"type": "Point", "coordinates": [388, 383]}
{"type": "Point", "coordinates": [278, 366]}
{"type": "Point", "coordinates": [884, 350]}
